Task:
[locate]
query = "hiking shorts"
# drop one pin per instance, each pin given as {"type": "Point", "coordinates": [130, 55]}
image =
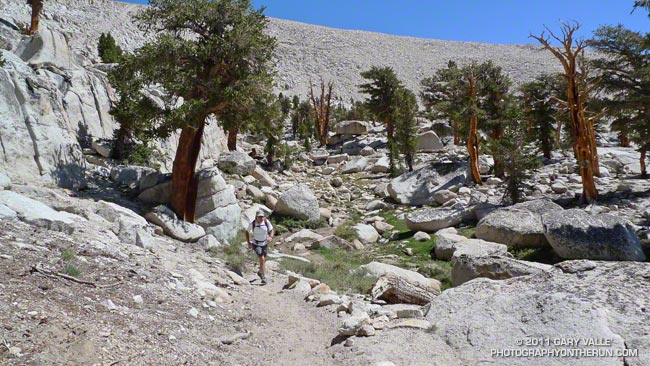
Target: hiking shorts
{"type": "Point", "coordinates": [260, 250]}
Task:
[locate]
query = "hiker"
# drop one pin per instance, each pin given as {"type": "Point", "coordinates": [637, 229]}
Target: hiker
{"type": "Point", "coordinates": [262, 231]}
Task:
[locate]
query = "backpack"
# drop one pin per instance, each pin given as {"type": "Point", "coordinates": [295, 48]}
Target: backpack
{"type": "Point", "coordinates": [266, 222]}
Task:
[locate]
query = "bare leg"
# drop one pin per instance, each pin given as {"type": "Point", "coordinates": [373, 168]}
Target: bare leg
{"type": "Point", "coordinates": [263, 265]}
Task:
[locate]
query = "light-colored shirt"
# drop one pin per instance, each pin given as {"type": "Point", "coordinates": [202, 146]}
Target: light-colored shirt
{"type": "Point", "coordinates": [260, 231]}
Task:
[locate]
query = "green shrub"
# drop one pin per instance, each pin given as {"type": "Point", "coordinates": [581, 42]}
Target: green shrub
{"type": "Point", "coordinates": [439, 270]}
{"type": "Point", "coordinates": [292, 223]}
{"type": "Point", "coordinates": [234, 256]}
{"type": "Point", "coordinates": [71, 270]}
{"type": "Point", "coordinates": [143, 154]}
{"type": "Point", "coordinates": [339, 269]}
{"type": "Point", "coordinates": [346, 231]}
{"type": "Point", "coordinates": [108, 50]}
{"type": "Point", "coordinates": [68, 254]}
{"type": "Point", "coordinates": [2, 61]}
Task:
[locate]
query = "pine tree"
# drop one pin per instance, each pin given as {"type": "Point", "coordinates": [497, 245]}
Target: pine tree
{"type": "Point", "coordinates": [213, 55]}
{"type": "Point", "coordinates": [442, 97]}
{"type": "Point", "coordinates": [625, 80]}
{"type": "Point", "coordinates": [495, 97]}
{"type": "Point", "coordinates": [134, 131]}
{"type": "Point", "coordinates": [302, 123]}
{"type": "Point", "coordinates": [645, 4]}
{"type": "Point", "coordinates": [108, 50]}
{"type": "Point", "coordinates": [405, 125]}
{"type": "Point", "coordinates": [382, 90]}
{"type": "Point", "coordinates": [540, 111]}
{"type": "Point", "coordinates": [519, 159]}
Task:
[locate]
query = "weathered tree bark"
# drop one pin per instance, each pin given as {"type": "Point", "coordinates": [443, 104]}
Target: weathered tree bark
{"type": "Point", "coordinates": [624, 139]}
{"type": "Point", "coordinates": [122, 142]}
{"type": "Point", "coordinates": [546, 146]}
{"type": "Point", "coordinates": [184, 182]}
{"type": "Point", "coordinates": [644, 172]}
{"type": "Point", "coordinates": [594, 151]}
{"type": "Point", "coordinates": [397, 290]}
{"type": "Point", "coordinates": [454, 126]}
{"type": "Point", "coordinates": [37, 6]}
{"type": "Point", "coordinates": [581, 127]}
{"type": "Point", "coordinates": [322, 108]}
{"type": "Point", "coordinates": [472, 138]}
{"type": "Point", "coordinates": [232, 138]}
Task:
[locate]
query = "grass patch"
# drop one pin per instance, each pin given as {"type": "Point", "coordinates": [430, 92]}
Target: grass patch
{"type": "Point", "coordinates": [439, 270]}
{"type": "Point", "coordinates": [71, 270]}
{"type": "Point", "coordinates": [346, 231]}
{"type": "Point", "coordinates": [234, 257]}
{"type": "Point", "coordinates": [398, 224]}
{"type": "Point", "coordinates": [68, 254]}
{"type": "Point", "coordinates": [421, 259]}
{"type": "Point", "coordinates": [467, 231]}
{"type": "Point", "coordinates": [291, 223]}
{"type": "Point", "coordinates": [339, 269]}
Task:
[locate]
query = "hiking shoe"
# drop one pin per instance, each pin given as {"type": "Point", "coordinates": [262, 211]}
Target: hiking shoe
{"type": "Point", "coordinates": [263, 279]}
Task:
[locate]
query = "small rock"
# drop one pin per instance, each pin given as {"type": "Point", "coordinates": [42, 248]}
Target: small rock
{"type": "Point", "coordinates": [559, 187]}
{"type": "Point", "coordinates": [422, 236]}
{"type": "Point", "coordinates": [336, 182]}
{"type": "Point", "coordinates": [366, 330]}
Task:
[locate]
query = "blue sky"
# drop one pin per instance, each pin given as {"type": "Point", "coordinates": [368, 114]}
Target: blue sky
{"type": "Point", "coordinates": [500, 21]}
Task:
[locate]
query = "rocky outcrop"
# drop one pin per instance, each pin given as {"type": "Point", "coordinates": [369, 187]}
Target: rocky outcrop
{"type": "Point", "coordinates": [172, 226]}
{"type": "Point", "coordinates": [351, 128]}
{"type": "Point", "coordinates": [54, 98]}
{"type": "Point", "coordinates": [129, 227]}
{"type": "Point", "coordinates": [431, 220]}
{"type": "Point", "coordinates": [36, 213]}
{"type": "Point", "coordinates": [358, 164]}
{"type": "Point", "coordinates": [216, 206]}
{"type": "Point", "coordinates": [517, 226]}
{"type": "Point", "coordinates": [217, 210]}
{"type": "Point", "coordinates": [417, 187]}
{"type": "Point", "coordinates": [298, 202]}
{"type": "Point", "coordinates": [236, 162]}
{"type": "Point", "coordinates": [497, 267]}
{"type": "Point", "coordinates": [575, 234]}
{"type": "Point", "coordinates": [583, 299]}
{"type": "Point", "coordinates": [398, 285]}
{"type": "Point", "coordinates": [448, 243]}
{"type": "Point", "coordinates": [429, 141]}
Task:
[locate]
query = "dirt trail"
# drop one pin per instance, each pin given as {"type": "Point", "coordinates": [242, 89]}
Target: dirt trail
{"type": "Point", "coordinates": [285, 329]}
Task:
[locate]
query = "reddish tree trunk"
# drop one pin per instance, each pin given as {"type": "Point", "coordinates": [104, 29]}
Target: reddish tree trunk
{"type": "Point", "coordinates": [184, 182]}
{"type": "Point", "coordinates": [322, 108]}
{"type": "Point", "coordinates": [592, 143]}
{"type": "Point", "coordinates": [232, 138]}
{"type": "Point", "coordinates": [472, 138]}
{"type": "Point", "coordinates": [37, 6]}
{"type": "Point", "coordinates": [582, 131]}
{"type": "Point", "coordinates": [454, 126]}
{"type": "Point", "coordinates": [583, 145]}
{"type": "Point", "coordinates": [624, 140]}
